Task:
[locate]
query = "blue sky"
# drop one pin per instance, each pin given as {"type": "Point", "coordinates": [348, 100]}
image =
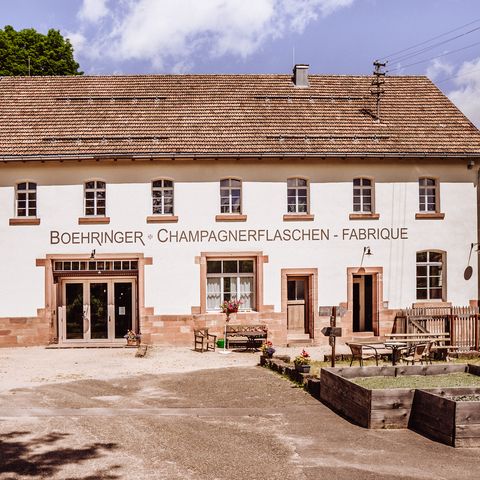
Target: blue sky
{"type": "Point", "coordinates": [265, 36]}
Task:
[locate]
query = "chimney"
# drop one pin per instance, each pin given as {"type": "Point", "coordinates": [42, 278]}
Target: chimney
{"type": "Point", "coordinates": [300, 75]}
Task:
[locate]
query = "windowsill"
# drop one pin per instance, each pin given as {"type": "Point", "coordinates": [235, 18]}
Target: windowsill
{"type": "Point", "coordinates": [298, 217]}
{"type": "Point", "coordinates": [429, 216]}
{"type": "Point", "coordinates": [231, 217]}
{"type": "Point", "coordinates": [93, 220]}
{"type": "Point", "coordinates": [162, 219]}
{"type": "Point", "coordinates": [364, 216]}
{"type": "Point", "coordinates": [24, 221]}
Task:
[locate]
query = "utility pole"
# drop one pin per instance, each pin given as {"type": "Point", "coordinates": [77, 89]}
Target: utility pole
{"type": "Point", "coordinates": [378, 80]}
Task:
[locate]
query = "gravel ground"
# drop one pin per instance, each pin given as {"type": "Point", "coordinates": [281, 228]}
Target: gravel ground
{"type": "Point", "coordinates": [33, 366]}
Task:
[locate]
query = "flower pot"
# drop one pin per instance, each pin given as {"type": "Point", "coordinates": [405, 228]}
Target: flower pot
{"type": "Point", "coordinates": [133, 342]}
{"type": "Point", "coordinates": [302, 368]}
{"type": "Point", "coordinates": [269, 355]}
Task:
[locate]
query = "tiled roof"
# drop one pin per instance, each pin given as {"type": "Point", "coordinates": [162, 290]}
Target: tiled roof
{"type": "Point", "coordinates": [157, 115]}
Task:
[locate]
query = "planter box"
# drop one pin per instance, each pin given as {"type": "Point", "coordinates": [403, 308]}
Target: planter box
{"type": "Point", "coordinates": [445, 420]}
{"type": "Point", "coordinates": [382, 408]}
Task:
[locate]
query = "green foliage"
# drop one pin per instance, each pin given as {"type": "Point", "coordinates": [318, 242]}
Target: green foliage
{"type": "Point", "coordinates": [49, 54]}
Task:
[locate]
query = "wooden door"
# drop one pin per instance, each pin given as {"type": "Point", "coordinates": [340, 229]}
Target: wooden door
{"type": "Point", "coordinates": [297, 304]}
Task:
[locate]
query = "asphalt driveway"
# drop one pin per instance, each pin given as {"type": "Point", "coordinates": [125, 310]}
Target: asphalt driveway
{"type": "Point", "coordinates": [231, 423]}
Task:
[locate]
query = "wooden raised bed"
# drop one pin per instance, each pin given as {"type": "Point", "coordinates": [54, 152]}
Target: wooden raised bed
{"type": "Point", "coordinates": [382, 408]}
{"type": "Point", "coordinates": [445, 420]}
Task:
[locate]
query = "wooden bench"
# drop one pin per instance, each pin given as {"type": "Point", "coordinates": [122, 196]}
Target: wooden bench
{"type": "Point", "coordinates": [248, 336]}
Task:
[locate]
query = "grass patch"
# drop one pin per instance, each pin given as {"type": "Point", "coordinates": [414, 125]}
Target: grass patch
{"type": "Point", "coordinates": [419, 381]}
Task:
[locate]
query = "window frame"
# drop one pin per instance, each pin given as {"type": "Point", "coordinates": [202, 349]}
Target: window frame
{"type": "Point", "coordinates": [162, 189]}
{"type": "Point", "coordinates": [362, 188]}
{"type": "Point", "coordinates": [237, 275]}
{"type": "Point", "coordinates": [436, 188]}
{"type": "Point", "coordinates": [428, 276]}
{"type": "Point", "coordinates": [230, 188]}
{"type": "Point", "coordinates": [27, 200]}
{"type": "Point", "coordinates": [96, 190]}
{"type": "Point", "coordinates": [297, 188]}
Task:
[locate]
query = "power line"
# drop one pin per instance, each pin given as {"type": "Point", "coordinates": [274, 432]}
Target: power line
{"type": "Point", "coordinates": [458, 75]}
{"type": "Point", "coordinates": [418, 52]}
{"type": "Point", "coordinates": [433, 58]}
{"type": "Point", "coordinates": [429, 40]}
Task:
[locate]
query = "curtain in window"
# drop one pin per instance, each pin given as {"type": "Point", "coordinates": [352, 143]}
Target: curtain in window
{"type": "Point", "coordinates": [246, 293]}
{"type": "Point", "coordinates": [213, 294]}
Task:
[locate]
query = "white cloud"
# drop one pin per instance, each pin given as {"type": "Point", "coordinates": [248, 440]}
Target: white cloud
{"type": "Point", "coordinates": [93, 10]}
{"type": "Point", "coordinates": [78, 40]}
{"type": "Point", "coordinates": [466, 95]}
{"type": "Point", "coordinates": [176, 33]}
{"type": "Point", "coordinates": [437, 67]}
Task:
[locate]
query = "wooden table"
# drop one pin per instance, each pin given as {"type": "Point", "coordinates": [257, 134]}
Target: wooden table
{"type": "Point", "coordinates": [395, 347]}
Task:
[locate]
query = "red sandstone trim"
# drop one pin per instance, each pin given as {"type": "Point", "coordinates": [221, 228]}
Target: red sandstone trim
{"type": "Point", "coordinates": [429, 216]}
{"type": "Point", "coordinates": [93, 220]}
{"type": "Point", "coordinates": [364, 216]}
{"type": "Point", "coordinates": [298, 217]}
{"type": "Point", "coordinates": [23, 221]}
{"type": "Point", "coordinates": [231, 218]}
{"type": "Point", "coordinates": [162, 219]}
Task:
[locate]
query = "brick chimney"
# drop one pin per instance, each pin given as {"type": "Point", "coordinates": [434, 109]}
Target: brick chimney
{"type": "Point", "coordinates": [300, 75]}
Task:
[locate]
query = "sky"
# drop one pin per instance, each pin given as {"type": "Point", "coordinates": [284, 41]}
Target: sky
{"type": "Point", "coordinates": [269, 36]}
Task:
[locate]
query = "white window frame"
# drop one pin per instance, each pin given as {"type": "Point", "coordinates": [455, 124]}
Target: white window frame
{"type": "Point", "coordinates": [164, 191]}
{"type": "Point", "coordinates": [96, 198]}
{"type": "Point", "coordinates": [360, 206]}
{"type": "Point", "coordinates": [30, 189]}
{"type": "Point", "coordinates": [296, 188]}
{"type": "Point", "coordinates": [238, 276]}
{"type": "Point", "coordinates": [429, 277]}
{"type": "Point", "coordinates": [228, 189]}
{"type": "Point", "coordinates": [423, 196]}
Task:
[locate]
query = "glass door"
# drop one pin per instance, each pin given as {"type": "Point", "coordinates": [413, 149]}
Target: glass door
{"type": "Point", "coordinates": [98, 293]}
{"type": "Point", "coordinates": [124, 307]}
{"type": "Point", "coordinates": [94, 310]}
{"type": "Point", "coordinates": [75, 311]}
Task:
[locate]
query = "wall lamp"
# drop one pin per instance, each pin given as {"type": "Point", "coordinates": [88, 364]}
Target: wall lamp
{"type": "Point", "coordinates": [470, 164]}
{"type": "Point", "coordinates": [92, 255]}
{"type": "Point", "coordinates": [367, 252]}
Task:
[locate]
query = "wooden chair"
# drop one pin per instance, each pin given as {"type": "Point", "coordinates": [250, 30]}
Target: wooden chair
{"type": "Point", "coordinates": [204, 341]}
{"type": "Point", "coordinates": [415, 354]}
{"type": "Point", "coordinates": [428, 353]}
{"type": "Point", "coordinates": [362, 352]}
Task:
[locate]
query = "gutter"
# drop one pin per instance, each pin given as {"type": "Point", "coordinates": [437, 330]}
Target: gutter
{"type": "Point", "coordinates": [217, 155]}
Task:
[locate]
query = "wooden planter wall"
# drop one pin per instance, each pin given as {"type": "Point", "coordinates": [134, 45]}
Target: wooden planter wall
{"type": "Point", "coordinates": [382, 408]}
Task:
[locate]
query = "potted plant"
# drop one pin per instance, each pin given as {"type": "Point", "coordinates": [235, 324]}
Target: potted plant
{"type": "Point", "coordinates": [132, 338]}
{"type": "Point", "coordinates": [230, 306]}
{"type": "Point", "coordinates": [267, 349]}
{"type": "Point", "coordinates": [302, 362]}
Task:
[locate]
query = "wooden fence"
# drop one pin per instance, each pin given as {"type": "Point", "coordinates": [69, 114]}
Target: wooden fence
{"type": "Point", "coordinates": [462, 323]}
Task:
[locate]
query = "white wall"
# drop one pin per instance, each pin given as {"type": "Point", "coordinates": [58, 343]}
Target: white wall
{"type": "Point", "coordinates": [172, 282]}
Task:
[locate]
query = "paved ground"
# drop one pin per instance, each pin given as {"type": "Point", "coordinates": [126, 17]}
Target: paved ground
{"type": "Point", "coordinates": [231, 423]}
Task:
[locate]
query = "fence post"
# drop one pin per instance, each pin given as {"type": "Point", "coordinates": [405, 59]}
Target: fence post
{"type": "Point", "coordinates": [477, 322]}
{"type": "Point", "coordinates": [453, 338]}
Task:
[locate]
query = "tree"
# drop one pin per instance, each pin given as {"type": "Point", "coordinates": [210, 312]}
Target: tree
{"type": "Point", "coordinates": [28, 52]}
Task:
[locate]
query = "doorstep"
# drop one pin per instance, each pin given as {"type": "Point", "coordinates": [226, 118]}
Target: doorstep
{"type": "Point", "coordinates": [56, 346]}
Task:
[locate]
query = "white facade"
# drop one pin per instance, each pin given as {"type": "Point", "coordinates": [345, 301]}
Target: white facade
{"type": "Point", "coordinates": [172, 282]}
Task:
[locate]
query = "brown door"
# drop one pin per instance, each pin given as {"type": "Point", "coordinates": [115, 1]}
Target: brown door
{"type": "Point", "coordinates": [297, 305]}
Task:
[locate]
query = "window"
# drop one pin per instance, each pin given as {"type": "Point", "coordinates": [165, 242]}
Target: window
{"type": "Point", "coordinates": [230, 196]}
{"type": "Point", "coordinates": [297, 195]}
{"type": "Point", "coordinates": [427, 195]}
{"type": "Point", "coordinates": [162, 197]}
{"type": "Point", "coordinates": [26, 199]}
{"type": "Point", "coordinates": [430, 275]}
{"type": "Point", "coordinates": [362, 195]}
{"type": "Point", "coordinates": [95, 194]}
{"type": "Point", "coordinates": [229, 279]}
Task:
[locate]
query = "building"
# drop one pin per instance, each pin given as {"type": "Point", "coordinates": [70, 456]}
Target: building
{"type": "Point", "coordinates": [143, 201]}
